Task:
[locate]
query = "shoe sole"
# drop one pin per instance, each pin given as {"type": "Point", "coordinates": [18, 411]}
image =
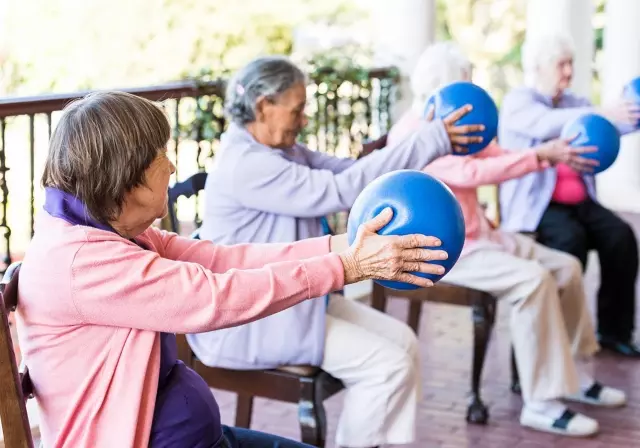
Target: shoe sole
{"type": "Point", "coordinates": [597, 403]}
{"type": "Point", "coordinates": [560, 432]}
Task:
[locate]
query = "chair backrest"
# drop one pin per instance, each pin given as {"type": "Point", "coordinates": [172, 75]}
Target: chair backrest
{"type": "Point", "coordinates": [187, 188]}
{"type": "Point", "coordinates": [15, 387]}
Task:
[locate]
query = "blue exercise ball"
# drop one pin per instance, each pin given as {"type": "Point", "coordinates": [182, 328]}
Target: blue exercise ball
{"type": "Point", "coordinates": [631, 92]}
{"type": "Point", "coordinates": [594, 130]}
{"type": "Point", "coordinates": [455, 95]}
{"type": "Point", "coordinates": [421, 204]}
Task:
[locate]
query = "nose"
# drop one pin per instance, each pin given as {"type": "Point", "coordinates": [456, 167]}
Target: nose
{"type": "Point", "coordinates": [568, 71]}
{"type": "Point", "coordinates": [305, 121]}
{"type": "Point", "coordinates": [172, 167]}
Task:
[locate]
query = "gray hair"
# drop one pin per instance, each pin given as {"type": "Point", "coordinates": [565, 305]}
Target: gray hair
{"type": "Point", "coordinates": [268, 77]}
{"type": "Point", "coordinates": [439, 64]}
{"type": "Point", "coordinates": [542, 50]}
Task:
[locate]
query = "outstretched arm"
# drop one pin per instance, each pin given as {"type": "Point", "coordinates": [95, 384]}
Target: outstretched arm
{"type": "Point", "coordinates": [494, 165]}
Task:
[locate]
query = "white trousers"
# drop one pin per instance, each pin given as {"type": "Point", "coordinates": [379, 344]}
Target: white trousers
{"type": "Point", "coordinates": [376, 356]}
{"type": "Point", "coordinates": [550, 322]}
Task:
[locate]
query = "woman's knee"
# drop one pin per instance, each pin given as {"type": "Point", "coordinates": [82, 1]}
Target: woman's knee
{"type": "Point", "coordinates": [404, 374]}
{"type": "Point", "coordinates": [572, 265]}
{"type": "Point", "coordinates": [535, 277]}
{"type": "Point", "coordinates": [394, 367]}
{"type": "Point", "coordinates": [402, 335]}
{"type": "Point", "coordinates": [624, 236]}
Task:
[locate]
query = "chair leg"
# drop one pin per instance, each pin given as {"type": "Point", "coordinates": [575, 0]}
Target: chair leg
{"type": "Point", "coordinates": [379, 298]}
{"type": "Point", "coordinates": [311, 415]}
{"type": "Point", "coordinates": [515, 378]}
{"type": "Point", "coordinates": [483, 318]}
{"type": "Point", "coordinates": [244, 409]}
{"type": "Point", "coordinates": [415, 311]}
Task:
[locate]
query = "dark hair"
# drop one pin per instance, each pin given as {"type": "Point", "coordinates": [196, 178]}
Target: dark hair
{"type": "Point", "coordinates": [268, 77]}
{"type": "Point", "coordinates": [101, 148]}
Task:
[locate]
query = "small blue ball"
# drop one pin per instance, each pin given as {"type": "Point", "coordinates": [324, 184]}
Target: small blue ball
{"type": "Point", "coordinates": [455, 95]}
{"type": "Point", "coordinates": [594, 130]}
{"type": "Point", "coordinates": [421, 204]}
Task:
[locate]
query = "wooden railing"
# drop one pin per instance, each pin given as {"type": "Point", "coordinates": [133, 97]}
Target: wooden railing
{"type": "Point", "coordinates": [342, 114]}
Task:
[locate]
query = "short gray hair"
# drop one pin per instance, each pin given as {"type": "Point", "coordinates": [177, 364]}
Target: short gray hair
{"type": "Point", "coordinates": [268, 77]}
{"type": "Point", "coordinates": [101, 148]}
{"type": "Point", "coordinates": [541, 50]}
{"type": "Point", "coordinates": [439, 64]}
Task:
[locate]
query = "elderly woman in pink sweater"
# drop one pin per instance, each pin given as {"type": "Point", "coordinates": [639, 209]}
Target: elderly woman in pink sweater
{"type": "Point", "coordinates": [102, 292]}
{"type": "Point", "coordinates": [552, 331]}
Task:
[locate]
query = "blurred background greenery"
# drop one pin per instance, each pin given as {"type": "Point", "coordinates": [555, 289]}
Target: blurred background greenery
{"type": "Point", "coordinates": [69, 45]}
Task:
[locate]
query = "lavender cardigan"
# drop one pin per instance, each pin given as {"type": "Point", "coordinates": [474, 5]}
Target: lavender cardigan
{"type": "Point", "coordinates": [258, 194]}
{"type": "Point", "coordinates": [528, 118]}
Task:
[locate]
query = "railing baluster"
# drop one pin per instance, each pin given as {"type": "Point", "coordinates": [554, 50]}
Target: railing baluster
{"type": "Point", "coordinates": [176, 131]}
{"type": "Point", "coordinates": [199, 132]}
{"type": "Point", "coordinates": [49, 125]}
{"type": "Point", "coordinates": [5, 194]}
{"type": "Point", "coordinates": [32, 169]}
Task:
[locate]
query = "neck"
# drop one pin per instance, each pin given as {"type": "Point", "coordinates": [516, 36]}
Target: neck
{"type": "Point", "coordinates": [129, 228]}
{"type": "Point", "coordinates": [259, 133]}
{"type": "Point", "coordinates": [554, 93]}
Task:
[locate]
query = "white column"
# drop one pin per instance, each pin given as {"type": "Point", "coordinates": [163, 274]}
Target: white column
{"type": "Point", "coordinates": [619, 186]}
{"type": "Point", "coordinates": [573, 17]}
{"type": "Point", "coordinates": [402, 30]}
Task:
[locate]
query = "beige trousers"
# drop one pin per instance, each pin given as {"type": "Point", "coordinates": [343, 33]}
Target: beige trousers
{"type": "Point", "coordinates": [550, 322]}
{"type": "Point", "coordinates": [376, 356]}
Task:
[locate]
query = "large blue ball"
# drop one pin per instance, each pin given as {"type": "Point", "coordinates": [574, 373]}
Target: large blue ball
{"type": "Point", "coordinates": [631, 92]}
{"type": "Point", "coordinates": [594, 130]}
{"type": "Point", "coordinates": [421, 204]}
{"type": "Point", "coordinates": [454, 96]}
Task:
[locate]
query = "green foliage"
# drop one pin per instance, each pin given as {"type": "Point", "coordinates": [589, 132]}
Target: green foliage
{"type": "Point", "coordinates": [62, 45]}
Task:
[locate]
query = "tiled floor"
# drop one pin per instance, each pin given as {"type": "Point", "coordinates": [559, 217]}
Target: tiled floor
{"type": "Point", "coordinates": [445, 339]}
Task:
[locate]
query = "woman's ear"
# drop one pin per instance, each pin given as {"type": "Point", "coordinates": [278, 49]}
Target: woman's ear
{"type": "Point", "coordinates": [261, 104]}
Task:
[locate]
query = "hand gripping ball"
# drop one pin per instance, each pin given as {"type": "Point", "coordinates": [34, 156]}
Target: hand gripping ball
{"type": "Point", "coordinates": [421, 204]}
{"type": "Point", "coordinates": [594, 130]}
{"type": "Point", "coordinates": [454, 96]}
{"type": "Point", "coordinates": [631, 92]}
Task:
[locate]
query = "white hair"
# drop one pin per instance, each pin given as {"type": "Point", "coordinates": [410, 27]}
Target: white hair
{"type": "Point", "coordinates": [540, 51]}
{"type": "Point", "coordinates": [439, 64]}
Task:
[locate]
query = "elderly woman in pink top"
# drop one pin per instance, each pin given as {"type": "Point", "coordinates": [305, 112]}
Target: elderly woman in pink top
{"type": "Point", "coordinates": [102, 292]}
{"type": "Point", "coordinates": [552, 331]}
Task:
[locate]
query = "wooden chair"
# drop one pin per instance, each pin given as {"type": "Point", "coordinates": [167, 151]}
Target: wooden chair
{"type": "Point", "coordinates": [192, 186]}
{"type": "Point", "coordinates": [308, 386]}
{"type": "Point", "coordinates": [483, 307]}
{"type": "Point", "coordinates": [15, 386]}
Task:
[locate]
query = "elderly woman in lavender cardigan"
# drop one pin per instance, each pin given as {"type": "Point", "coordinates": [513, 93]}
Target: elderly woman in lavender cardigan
{"type": "Point", "coordinates": [264, 187]}
{"type": "Point", "coordinates": [560, 204]}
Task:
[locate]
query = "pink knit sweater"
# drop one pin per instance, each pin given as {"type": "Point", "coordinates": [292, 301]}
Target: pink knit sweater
{"type": "Point", "coordinates": [465, 174]}
{"type": "Point", "coordinates": [91, 304]}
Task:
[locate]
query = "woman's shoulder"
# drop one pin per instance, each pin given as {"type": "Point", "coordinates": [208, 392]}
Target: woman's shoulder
{"type": "Point", "coordinates": [70, 244]}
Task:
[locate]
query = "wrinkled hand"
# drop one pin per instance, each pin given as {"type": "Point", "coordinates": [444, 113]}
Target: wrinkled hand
{"type": "Point", "coordinates": [622, 111]}
{"type": "Point", "coordinates": [373, 256]}
{"type": "Point", "coordinates": [559, 151]}
{"type": "Point", "coordinates": [458, 134]}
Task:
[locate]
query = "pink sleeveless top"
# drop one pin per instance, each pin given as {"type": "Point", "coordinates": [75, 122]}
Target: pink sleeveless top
{"type": "Point", "coordinates": [570, 188]}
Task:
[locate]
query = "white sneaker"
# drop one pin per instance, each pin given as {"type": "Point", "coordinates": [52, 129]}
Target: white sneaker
{"type": "Point", "coordinates": [599, 395]}
{"type": "Point", "coordinates": [569, 424]}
